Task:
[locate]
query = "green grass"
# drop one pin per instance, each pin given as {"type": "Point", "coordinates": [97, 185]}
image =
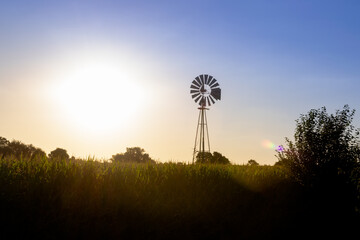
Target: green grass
{"type": "Point", "coordinates": [60, 199]}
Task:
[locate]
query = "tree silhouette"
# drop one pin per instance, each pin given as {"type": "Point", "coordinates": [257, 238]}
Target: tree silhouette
{"type": "Point", "coordinates": [132, 155]}
{"type": "Point", "coordinates": [204, 157]}
{"type": "Point", "coordinates": [3, 142]}
{"type": "Point", "coordinates": [19, 149]}
{"type": "Point", "coordinates": [59, 153]}
{"type": "Point", "coordinates": [218, 158]}
{"type": "Point", "coordinates": [326, 147]}
{"type": "Point", "coordinates": [252, 162]}
{"type": "Point", "coordinates": [4, 147]}
{"type": "Point", "coordinates": [208, 158]}
{"type": "Point", "coordinates": [37, 153]}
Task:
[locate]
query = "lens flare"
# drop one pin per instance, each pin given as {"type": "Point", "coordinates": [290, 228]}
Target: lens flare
{"type": "Point", "coordinates": [270, 145]}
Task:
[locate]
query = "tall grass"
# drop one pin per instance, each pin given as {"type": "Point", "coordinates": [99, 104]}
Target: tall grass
{"type": "Point", "coordinates": [89, 199]}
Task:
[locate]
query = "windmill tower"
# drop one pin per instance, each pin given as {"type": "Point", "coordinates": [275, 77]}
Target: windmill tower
{"type": "Point", "coordinates": [205, 91]}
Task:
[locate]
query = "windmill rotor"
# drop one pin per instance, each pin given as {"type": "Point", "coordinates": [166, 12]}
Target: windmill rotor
{"type": "Point", "coordinates": [205, 90]}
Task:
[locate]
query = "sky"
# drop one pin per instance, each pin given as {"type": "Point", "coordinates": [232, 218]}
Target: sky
{"type": "Point", "coordinates": [95, 77]}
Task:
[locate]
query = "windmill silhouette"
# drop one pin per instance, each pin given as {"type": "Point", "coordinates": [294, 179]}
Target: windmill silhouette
{"type": "Point", "coordinates": [205, 91]}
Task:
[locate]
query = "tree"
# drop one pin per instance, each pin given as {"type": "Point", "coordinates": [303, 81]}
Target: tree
{"type": "Point", "coordinates": [37, 152]}
{"type": "Point", "coordinates": [3, 142]}
{"type": "Point", "coordinates": [326, 148]}
{"type": "Point", "coordinates": [218, 158]}
{"type": "Point", "coordinates": [59, 153]}
{"type": "Point", "coordinates": [132, 155]}
{"type": "Point", "coordinates": [4, 147]}
{"type": "Point", "coordinates": [19, 149]}
{"type": "Point", "coordinates": [215, 158]}
{"type": "Point", "coordinates": [204, 157]}
{"type": "Point", "coordinates": [252, 162]}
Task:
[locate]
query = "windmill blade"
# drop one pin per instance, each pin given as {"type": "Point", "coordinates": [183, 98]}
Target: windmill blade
{"type": "Point", "coordinates": [194, 87]}
{"type": "Point", "coordinates": [214, 86]}
{"type": "Point", "coordinates": [198, 80]}
{"type": "Point", "coordinates": [216, 93]}
{"type": "Point", "coordinates": [210, 78]}
{"type": "Point", "coordinates": [202, 101]}
{"type": "Point", "coordinates": [196, 83]}
{"type": "Point", "coordinates": [202, 79]}
{"type": "Point", "coordinates": [197, 98]}
{"type": "Point", "coordinates": [212, 99]}
{"type": "Point", "coordinates": [194, 91]}
{"type": "Point", "coordinates": [212, 82]}
{"type": "Point", "coordinates": [208, 101]}
{"type": "Point", "coordinates": [195, 95]}
{"type": "Point", "coordinates": [206, 78]}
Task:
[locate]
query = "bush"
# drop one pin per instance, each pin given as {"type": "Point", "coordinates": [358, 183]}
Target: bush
{"type": "Point", "coordinates": [326, 146]}
{"type": "Point", "coordinates": [325, 157]}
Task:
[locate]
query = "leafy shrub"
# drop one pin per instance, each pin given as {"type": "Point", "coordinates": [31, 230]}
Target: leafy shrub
{"type": "Point", "coordinates": [326, 147]}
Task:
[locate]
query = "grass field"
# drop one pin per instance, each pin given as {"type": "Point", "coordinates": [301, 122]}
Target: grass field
{"type": "Point", "coordinates": [64, 199]}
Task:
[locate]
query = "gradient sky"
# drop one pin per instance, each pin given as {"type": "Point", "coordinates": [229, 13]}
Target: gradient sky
{"type": "Point", "coordinates": [95, 77]}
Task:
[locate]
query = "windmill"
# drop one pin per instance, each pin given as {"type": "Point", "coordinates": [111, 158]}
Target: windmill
{"type": "Point", "coordinates": [205, 91]}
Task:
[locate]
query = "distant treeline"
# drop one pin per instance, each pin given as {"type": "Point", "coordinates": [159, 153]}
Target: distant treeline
{"type": "Point", "coordinates": [132, 154]}
{"type": "Point", "coordinates": [19, 150]}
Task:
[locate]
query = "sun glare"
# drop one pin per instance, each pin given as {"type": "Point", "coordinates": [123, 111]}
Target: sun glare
{"type": "Point", "coordinates": [98, 97]}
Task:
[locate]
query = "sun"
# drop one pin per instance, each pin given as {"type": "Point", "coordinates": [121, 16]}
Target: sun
{"type": "Point", "coordinates": [97, 97]}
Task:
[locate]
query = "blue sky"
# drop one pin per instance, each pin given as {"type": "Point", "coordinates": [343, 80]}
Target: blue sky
{"type": "Point", "coordinates": [273, 59]}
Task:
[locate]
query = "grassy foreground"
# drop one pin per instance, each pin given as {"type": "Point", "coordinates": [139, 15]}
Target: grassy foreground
{"type": "Point", "coordinates": [63, 199]}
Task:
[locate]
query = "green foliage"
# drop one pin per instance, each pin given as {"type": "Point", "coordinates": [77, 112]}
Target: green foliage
{"type": "Point", "coordinates": [133, 155]}
{"type": "Point", "coordinates": [208, 158]}
{"type": "Point", "coordinates": [326, 147]}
